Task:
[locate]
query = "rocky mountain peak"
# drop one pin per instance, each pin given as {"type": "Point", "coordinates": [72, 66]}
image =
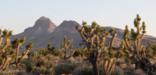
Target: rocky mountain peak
{"type": "Point", "coordinates": [43, 18]}
{"type": "Point", "coordinates": [44, 24]}
{"type": "Point", "coordinates": [69, 23]}
{"type": "Point", "coordinates": [67, 26]}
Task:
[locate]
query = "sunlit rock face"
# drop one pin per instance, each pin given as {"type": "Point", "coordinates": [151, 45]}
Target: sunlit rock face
{"type": "Point", "coordinates": [42, 26]}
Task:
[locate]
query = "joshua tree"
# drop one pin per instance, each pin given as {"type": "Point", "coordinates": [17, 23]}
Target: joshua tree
{"type": "Point", "coordinates": [94, 38]}
{"type": "Point", "coordinates": [67, 48]}
{"type": "Point", "coordinates": [16, 44]}
{"type": "Point", "coordinates": [5, 39]}
{"type": "Point", "coordinates": [25, 53]}
{"type": "Point", "coordinates": [134, 48]}
{"type": "Point", "coordinates": [7, 58]}
{"type": "Point", "coordinates": [7, 51]}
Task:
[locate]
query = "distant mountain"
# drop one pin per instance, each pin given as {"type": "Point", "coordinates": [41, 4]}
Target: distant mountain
{"type": "Point", "coordinates": [147, 39]}
{"type": "Point", "coordinates": [66, 29]}
{"type": "Point", "coordinates": [45, 31]}
{"type": "Point", "coordinates": [41, 31]}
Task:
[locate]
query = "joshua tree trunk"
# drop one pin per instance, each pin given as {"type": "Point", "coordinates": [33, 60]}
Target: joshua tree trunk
{"type": "Point", "coordinates": [93, 59]}
{"type": "Point", "coordinates": [95, 70]}
{"type": "Point", "coordinates": [5, 63]}
{"type": "Point", "coordinates": [17, 52]}
{"type": "Point", "coordinates": [25, 53]}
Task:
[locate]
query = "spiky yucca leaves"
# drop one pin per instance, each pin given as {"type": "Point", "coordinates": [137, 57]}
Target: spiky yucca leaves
{"type": "Point", "coordinates": [16, 44]}
{"type": "Point", "coordinates": [94, 38]}
{"type": "Point", "coordinates": [5, 39]}
{"type": "Point", "coordinates": [134, 48]}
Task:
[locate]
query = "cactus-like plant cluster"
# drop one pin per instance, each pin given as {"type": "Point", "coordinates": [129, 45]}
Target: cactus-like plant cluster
{"type": "Point", "coordinates": [94, 39]}
{"type": "Point", "coordinates": [134, 48]}
{"type": "Point", "coordinates": [9, 50]}
{"type": "Point", "coordinates": [67, 49]}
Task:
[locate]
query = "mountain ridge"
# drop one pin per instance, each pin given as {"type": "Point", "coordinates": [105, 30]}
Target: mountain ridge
{"type": "Point", "coordinates": [45, 31]}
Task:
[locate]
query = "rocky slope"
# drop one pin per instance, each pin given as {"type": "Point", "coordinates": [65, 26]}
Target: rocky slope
{"type": "Point", "coordinates": [41, 31]}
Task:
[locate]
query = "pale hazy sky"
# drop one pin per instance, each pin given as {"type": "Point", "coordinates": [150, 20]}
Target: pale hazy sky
{"type": "Point", "coordinates": [20, 14]}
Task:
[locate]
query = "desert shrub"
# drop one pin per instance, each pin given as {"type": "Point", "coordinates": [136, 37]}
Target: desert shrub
{"type": "Point", "coordinates": [118, 71]}
{"type": "Point", "coordinates": [151, 50]}
{"type": "Point", "coordinates": [77, 53]}
{"type": "Point", "coordinates": [41, 62]}
{"type": "Point", "coordinates": [64, 68]}
{"type": "Point", "coordinates": [28, 66]}
{"type": "Point", "coordinates": [83, 71]}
